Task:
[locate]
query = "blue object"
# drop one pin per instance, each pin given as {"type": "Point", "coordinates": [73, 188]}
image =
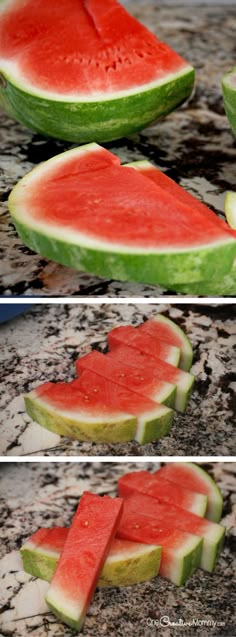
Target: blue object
{"type": "Point", "coordinates": [9, 311]}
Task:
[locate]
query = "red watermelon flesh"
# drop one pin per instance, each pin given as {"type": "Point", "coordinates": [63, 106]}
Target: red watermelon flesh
{"type": "Point", "coordinates": [167, 515]}
{"type": "Point", "coordinates": [190, 475]}
{"type": "Point", "coordinates": [169, 185]}
{"type": "Point", "coordinates": [82, 558]}
{"type": "Point", "coordinates": [127, 208]}
{"type": "Point", "coordinates": [127, 376]}
{"type": "Point", "coordinates": [181, 551]}
{"type": "Point", "coordinates": [164, 490]}
{"type": "Point", "coordinates": [143, 358]}
{"type": "Point", "coordinates": [91, 48]}
{"type": "Point", "coordinates": [155, 347]}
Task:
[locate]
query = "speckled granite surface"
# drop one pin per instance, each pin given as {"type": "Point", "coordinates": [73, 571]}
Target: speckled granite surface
{"type": "Point", "coordinates": [43, 345]}
{"type": "Point", "coordinates": [34, 495]}
{"type": "Point", "coordinates": [194, 145]}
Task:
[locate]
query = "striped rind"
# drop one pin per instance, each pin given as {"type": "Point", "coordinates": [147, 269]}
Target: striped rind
{"type": "Point", "coordinates": [229, 95]}
{"type": "Point", "coordinates": [104, 119]}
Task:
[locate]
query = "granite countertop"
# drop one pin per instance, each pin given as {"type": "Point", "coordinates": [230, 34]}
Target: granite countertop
{"type": "Point", "coordinates": [194, 145]}
{"type": "Point", "coordinates": [36, 494]}
{"type": "Point", "coordinates": [44, 343]}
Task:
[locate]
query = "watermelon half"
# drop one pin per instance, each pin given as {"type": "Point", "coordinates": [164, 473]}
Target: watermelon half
{"type": "Point", "coordinates": [85, 71]}
{"type": "Point", "coordinates": [169, 516]}
{"type": "Point", "coordinates": [190, 475]}
{"type": "Point", "coordinates": [89, 409]}
{"type": "Point", "coordinates": [161, 327]}
{"type": "Point", "coordinates": [82, 558]}
{"type": "Point", "coordinates": [127, 562]}
{"type": "Point", "coordinates": [83, 209]}
{"type": "Point", "coordinates": [164, 490]}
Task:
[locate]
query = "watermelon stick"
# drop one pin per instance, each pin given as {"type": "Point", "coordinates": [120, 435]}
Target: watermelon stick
{"type": "Point", "coordinates": [169, 516]}
{"type": "Point", "coordinates": [84, 553]}
{"type": "Point", "coordinates": [164, 490]}
{"type": "Point", "coordinates": [181, 551]}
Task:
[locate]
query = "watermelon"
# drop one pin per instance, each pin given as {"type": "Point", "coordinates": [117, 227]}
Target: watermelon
{"type": "Point", "coordinates": [82, 558]}
{"type": "Point", "coordinates": [85, 71]}
{"type": "Point", "coordinates": [67, 411]}
{"type": "Point", "coordinates": [161, 327]}
{"type": "Point", "coordinates": [154, 346]}
{"type": "Point", "coordinates": [169, 516]}
{"type": "Point", "coordinates": [89, 409]}
{"type": "Point", "coordinates": [164, 490]}
{"type": "Point", "coordinates": [127, 562]}
{"type": "Point", "coordinates": [140, 356]}
{"type": "Point", "coordinates": [181, 551]}
{"type": "Point", "coordinates": [125, 375]}
{"type": "Point", "coordinates": [82, 209]}
{"type": "Point", "coordinates": [229, 95]}
{"type": "Point", "coordinates": [187, 474]}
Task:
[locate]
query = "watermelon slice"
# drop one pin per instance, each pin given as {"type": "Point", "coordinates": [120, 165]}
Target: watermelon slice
{"type": "Point", "coordinates": [169, 516]}
{"type": "Point", "coordinates": [66, 410]}
{"type": "Point", "coordinates": [140, 356]}
{"type": "Point", "coordinates": [127, 562]}
{"type": "Point", "coordinates": [161, 327]}
{"type": "Point", "coordinates": [84, 210]}
{"type": "Point", "coordinates": [181, 551]}
{"type": "Point", "coordinates": [125, 375]}
{"type": "Point", "coordinates": [187, 474]}
{"type": "Point", "coordinates": [89, 409]}
{"type": "Point", "coordinates": [162, 489]}
{"type": "Point", "coordinates": [84, 71]}
{"type": "Point", "coordinates": [229, 95]}
{"type": "Point", "coordinates": [82, 558]}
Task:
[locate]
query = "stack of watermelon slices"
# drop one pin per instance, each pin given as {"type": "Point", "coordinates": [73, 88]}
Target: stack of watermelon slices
{"type": "Point", "coordinates": [129, 393]}
{"type": "Point", "coordinates": [157, 525]}
{"type": "Point", "coordinates": [83, 209]}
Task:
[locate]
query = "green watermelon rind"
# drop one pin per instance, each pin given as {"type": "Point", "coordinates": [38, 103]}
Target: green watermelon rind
{"type": "Point", "coordinates": [121, 429]}
{"type": "Point", "coordinates": [185, 561]}
{"type": "Point", "coordinates": [153, 426]}
{"type": "Point", "coordinates": [100, 120]}
{"type": "Point", "coordinates": [212, 545]}
{"type": "Point", "coordinates": [220, 287]}
{"type": "Point", "coordinates": [229, 95]}
{"type": "Point", "coordinates": [117, 571]}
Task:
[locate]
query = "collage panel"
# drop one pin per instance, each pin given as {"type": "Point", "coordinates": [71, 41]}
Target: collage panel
{"type": "Point", "coordinates": [132, 232]}
{"type": "Point", "coordinates": [146, 585]}
{"type": "Point", "coordinates": [118, 379]}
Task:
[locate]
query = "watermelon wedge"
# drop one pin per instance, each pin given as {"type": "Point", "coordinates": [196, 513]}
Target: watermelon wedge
{"type": "Point", "coordinates": [140, 356]}
{"type": "Point", "coordinates": [89, 409]}
{"type": "Point", "coordinates": [181, 551]}
{"type": "Point", "coordinates": [164, 490]}
{"type": "Point", "coordinates": [161, 327]}
{"type": "Point", "coordinates": [127, 563]}
{"type": "Point", "coordinates": [229, 95]}
{"type": "Point", "coordinates": [190, 475]}
{"type": "Point", "coordinates": [84, 71]}
{"type": "Point", "coordinates": [84, 210]}
{"type": "Point", "coordinates": [125, 375]}
{"type": "Point", "coordinates": [82, 558]}
{"type": "Point", "coordinates": [169, 516]}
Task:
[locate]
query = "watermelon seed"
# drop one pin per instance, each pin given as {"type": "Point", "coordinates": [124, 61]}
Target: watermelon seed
{"type": "Point", "coordinates": [86, 523]}
{"type": "Point", "coordinates": [95, 390]}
